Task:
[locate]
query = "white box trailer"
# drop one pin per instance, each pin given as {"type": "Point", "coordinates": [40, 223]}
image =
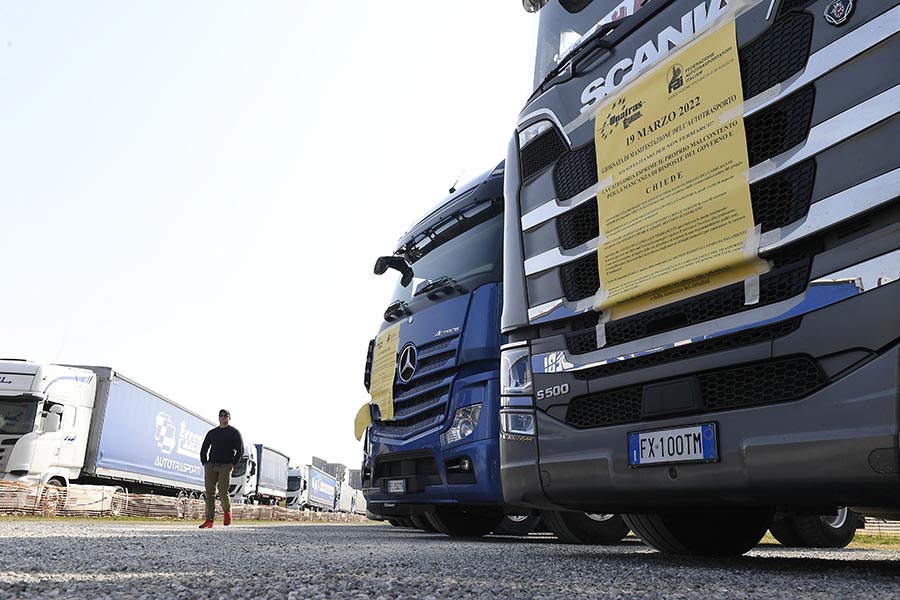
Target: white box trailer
{"type": "Point", "coordinates": [320, 490]}
{"type": "Point", "coordinates": [345, 498]}
{"type": "Point", "coordinates": [63, 424]}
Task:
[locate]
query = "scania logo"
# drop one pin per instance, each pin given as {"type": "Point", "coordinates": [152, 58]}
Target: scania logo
{"type": "Point", "coordinates": [838, 12]}
{"type": "Point", "coordinates": [406, 367]}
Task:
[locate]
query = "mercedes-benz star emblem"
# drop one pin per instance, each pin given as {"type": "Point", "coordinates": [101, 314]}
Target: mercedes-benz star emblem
{"type": "Point", "coordinates": [406, 367]}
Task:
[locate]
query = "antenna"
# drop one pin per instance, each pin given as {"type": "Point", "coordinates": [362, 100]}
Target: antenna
{"type": "Point", "coordinates": [453, 187]}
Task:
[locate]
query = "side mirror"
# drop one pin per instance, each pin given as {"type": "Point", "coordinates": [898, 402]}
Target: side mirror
{"type": "Point", "coordinates": [398, 264]}
{"type": "Point", "coordinates": [252, 469]}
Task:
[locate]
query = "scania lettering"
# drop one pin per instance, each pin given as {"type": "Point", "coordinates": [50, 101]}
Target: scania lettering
{"type": "Point", "coordinates": [702, 248]}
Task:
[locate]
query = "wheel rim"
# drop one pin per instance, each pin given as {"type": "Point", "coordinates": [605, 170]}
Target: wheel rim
{"type": "Point", "coordinates": [837, 521]}
{"type": "Point", "coordinates": [599, 517]}
{"type": "Point", "coordinates": [516, 518]}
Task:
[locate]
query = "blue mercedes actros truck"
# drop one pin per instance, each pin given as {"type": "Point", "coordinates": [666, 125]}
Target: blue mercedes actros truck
{"type": "Point", "coordinates": [434, 462]}
{"type": "Point", "coordinates": [685, 178]}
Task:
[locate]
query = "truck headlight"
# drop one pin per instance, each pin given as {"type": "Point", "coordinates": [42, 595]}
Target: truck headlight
{"type": "Point", "coordinates": [532, 132]}
{"type": "Point", "coordinates": [464, 422]}
{"type": "Point", "coordinates": [515, 371]}
{"type": "Point", "coordinates": [517, 423]}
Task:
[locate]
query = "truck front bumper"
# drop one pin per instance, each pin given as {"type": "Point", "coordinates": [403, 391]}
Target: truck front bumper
{"type": "Point", "coordinates": [837, 446]}
{"type": "Point", "coordinates": [433, 475]}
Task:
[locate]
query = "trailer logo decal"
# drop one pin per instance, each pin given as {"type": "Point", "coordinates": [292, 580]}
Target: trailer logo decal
{"type": "Point", "coordinates": [165, 433]}
{"type": "Point", "coordinates": [406, 366]}
{"type": "Point", "coordinates": [3, 379]}
{"type": "Point", "coordinates": [838, 12]}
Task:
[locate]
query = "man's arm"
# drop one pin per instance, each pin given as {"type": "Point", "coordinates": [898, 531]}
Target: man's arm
{"type": "Point", "coordinates": [204, 449]}
{"type": "Point", "coordinates": [239, 447]}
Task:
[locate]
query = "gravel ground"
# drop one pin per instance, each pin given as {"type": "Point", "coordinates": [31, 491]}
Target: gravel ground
{"type": "Point", "coordinates": [96, 560]}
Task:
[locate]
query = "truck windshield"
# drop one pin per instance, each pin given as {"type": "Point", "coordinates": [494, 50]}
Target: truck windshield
{"type": "Point", "coordinates": [559, 29]}
{"type": "Point", "coordinates": [464, 248]}
{"type": "Point", "coordinates": [293, 484]}
{"type": "Point", "coordinates": [17, 416]}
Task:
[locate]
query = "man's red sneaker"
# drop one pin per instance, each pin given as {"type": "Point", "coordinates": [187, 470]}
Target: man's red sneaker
{"type": "Point", "coordinates": [207, 524]}
{"type": "Point", "coordinates": [227, 519]}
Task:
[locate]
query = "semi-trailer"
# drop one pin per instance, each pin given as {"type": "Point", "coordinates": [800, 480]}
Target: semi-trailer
{"type": "Point", "coordinates": [63, 424]}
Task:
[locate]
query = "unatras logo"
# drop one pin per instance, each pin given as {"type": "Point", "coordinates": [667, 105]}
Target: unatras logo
{"type": "Point", "coordinates": [621, 112]}
{"type": "Point", "coordinates": [165, 433]}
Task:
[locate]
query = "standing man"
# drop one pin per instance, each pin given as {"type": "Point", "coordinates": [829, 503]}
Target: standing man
{"type": "Point", "coordinates": [222, 449]}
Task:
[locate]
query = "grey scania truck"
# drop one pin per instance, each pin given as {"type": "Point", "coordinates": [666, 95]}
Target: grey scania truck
{"type": "Point", "coordinates": [713, 410]}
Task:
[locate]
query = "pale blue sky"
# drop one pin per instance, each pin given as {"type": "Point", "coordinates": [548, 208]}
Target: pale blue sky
{"type": "Point", "coordinates": [194, 193]}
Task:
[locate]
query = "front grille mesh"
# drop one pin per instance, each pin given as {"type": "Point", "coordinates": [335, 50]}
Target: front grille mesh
{"type": "Point", "coordinates": [776, 285]}
{"type": "Point", "coordinates": [422, 403]}
{"type": "Point", "coordinates": [777, 55]}
{"type": "Point", "coordinates": [736, 340]}
{"type": "Point", "coordinates": [780, 127]}
{"type": "Point", "coordinates": [778, 380]}
{"type": "Point", "coordinates": [542, 152]}
{"type": "Point", "coordinates": [777, 201]}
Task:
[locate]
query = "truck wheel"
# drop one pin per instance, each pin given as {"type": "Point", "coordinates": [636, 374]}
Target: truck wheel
{"type": "Point", "coordinates": [53, 497]}
{"type": "Point", "coordinates": [705, 532]}
{"type": "Point", "coordinates": [783, 530]}
{"type": "Point", "coordinates": [464, 522]}
{"type": "Point", "coordinates": [422, 522]}
{"type": "Point", "coordinates": [835, 531]}
{"type": "Point", "coordinates": [584, 528]}
{"type": "Point", "coordinates": [517, 524]}
{"type": "Point", "coordinates": [119, 502]}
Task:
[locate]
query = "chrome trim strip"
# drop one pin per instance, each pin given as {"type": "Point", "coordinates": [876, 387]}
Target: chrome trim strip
{"type": "Point", "coordinates": [840, 207]}
{"type": "Point", "coordinates": [554, 207]}
{"type": "Point", "coordinates": [866, 276]}
{"type": "Point", "coordinates": [544, 309]}
{"type": "Point", "coordinates": [511, 345]}
{"type": "Point", "coordinates": [829, 58]}
{"type": "Point", "coordinates": [821, 137]}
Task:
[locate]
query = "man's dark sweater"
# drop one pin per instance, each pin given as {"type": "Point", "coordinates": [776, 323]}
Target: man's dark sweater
{"type": "Point", "coordinates": [224, 445]}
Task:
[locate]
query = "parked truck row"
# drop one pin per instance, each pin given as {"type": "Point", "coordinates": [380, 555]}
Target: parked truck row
{"type": "Point", "coordinates": [695, 320]}
{"type": "Point", "coordinates": [65, 424]}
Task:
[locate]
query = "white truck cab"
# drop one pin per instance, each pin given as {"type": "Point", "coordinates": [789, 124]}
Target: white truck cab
{"type": "Point", "coordinates": [45, 417]}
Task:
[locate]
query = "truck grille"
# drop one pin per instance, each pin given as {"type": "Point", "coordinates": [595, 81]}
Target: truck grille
{"type": "Point", "coordinates": [778, 54]}
{"type": "Point", "coordinates": [422, 403]}
{"type": "Point", "coordinates": [542, 152]}
{"type": "Point", "coordinates": [777, 201]}
{"type": "Point", "coordinates": [6, 446]}
{"type": "Point", "coordinates": [779, 380]}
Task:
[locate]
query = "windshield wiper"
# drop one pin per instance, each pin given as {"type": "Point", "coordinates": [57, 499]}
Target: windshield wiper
{"type": "Point", "coordinates": [441, 286]}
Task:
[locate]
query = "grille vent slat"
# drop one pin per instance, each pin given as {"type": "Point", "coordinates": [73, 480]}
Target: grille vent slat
{"type": "Point", "coordinates": [779, 380]}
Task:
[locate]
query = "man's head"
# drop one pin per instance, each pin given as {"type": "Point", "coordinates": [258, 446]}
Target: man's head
{"type": "Point", "coordinates": [224, 418]}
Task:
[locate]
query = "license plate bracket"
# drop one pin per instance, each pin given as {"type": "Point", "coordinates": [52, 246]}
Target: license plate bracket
{"type": "Point", "coordinates": [396, 486]}
{"type": "Point", "coordinates": [674, 445]}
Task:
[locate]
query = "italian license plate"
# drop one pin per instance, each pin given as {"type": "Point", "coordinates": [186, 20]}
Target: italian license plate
{"type": "Point", "coordinates": [396, 486]}
{"type": "Point", "coordinates": [696, 443]}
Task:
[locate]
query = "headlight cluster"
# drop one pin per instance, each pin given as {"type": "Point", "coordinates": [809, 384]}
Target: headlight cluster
{"type": "Point", "coordinates": [515, 371]}
{"type": "Point", "coordinates": [464, 422]}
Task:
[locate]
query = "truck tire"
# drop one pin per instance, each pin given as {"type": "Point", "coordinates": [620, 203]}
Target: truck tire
{"type": "Point", "coordinates": [827, 531]}
{"type": "Point", "coordinates": [395, 522]}
{"type": "Point", "coordinates": [464, 522]}
{"type": "Point", "coordinates": [782, 529]}
{"type": "Point", "coordinates": [422, 522]}
{"type": "Point", "coordinates": [53, 497]}
{"type": "Point", "coordinates": [119, 503]}
{"type": "Point", "coordinates": [704, 532]}
{"type": "Point", "coordinates": [583, 528]}
{"type": "Point", "coordinates": [518, 524]}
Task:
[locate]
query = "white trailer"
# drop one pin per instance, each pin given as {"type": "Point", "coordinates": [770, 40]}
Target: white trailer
{"type": "Point", "coordinates": [63, 424]}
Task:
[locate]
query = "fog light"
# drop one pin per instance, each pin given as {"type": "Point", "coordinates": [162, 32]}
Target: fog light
{"type": "Point", "coordinates": [517, 423]}
{"type": "Point", "coordinates": [465, 465]}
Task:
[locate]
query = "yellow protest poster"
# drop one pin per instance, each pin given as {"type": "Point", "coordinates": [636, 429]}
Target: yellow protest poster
{"type": "Point", "coordinates": [384, 366]}
{"type": "Point", "coordinates": [675, 215]}
{"type": "Point", "coordinates": [363, 419]}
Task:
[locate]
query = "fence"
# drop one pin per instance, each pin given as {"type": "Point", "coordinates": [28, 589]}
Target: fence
{"type": "Point", "coordinates": [99, 501]}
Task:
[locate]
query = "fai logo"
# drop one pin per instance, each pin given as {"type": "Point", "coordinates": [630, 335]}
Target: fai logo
{"type": "Point", "coordinates": [165, 433]}
{"type": "Point", "coordinates": [675, 77]}
{"type": "Point", "coordinates": [838, 12]}
{"type": "Point", "coordinates": [406, 366]}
